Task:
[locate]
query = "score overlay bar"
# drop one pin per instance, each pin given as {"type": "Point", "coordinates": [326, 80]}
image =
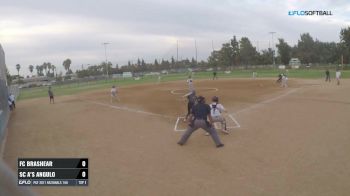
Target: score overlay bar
{"type": "Point", "coordinates": [53, 171]}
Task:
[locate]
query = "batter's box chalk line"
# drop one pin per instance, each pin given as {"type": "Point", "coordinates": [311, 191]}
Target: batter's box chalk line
{"type": "Point", "coordinates": [180, 118]}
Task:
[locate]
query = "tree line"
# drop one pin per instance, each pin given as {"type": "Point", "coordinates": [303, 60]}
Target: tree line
{"type": "Point", "coordinates": [232, 53]}
{"type": "Point", "coordinates": [308, 50]}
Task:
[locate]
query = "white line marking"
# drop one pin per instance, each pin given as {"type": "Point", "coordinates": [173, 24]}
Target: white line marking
{"type": "Point", "coordinates": [231, 117]}
{"type": "Point", "coordinates": [130, 109]}
{"type": "Point", "coordinates": [185, 89]}
{"type": "Point", "coordinates": [265, 101]}
{"type": "Point", "coordinates": [234, 120]}
{"type": "Point", "coordinates": [0, 112]}
{"type": "Point", "coordinates": [173, 91]}
{"type": "Point", "coordinates": [177, 122]}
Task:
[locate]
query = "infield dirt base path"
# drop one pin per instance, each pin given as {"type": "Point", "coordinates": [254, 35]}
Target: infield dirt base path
{"type": "Point", "coordinates": [292, 141]}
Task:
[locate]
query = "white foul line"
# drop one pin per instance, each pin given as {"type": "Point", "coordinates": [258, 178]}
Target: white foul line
{"type": "Point", "coordinates": [177, 122]}
{"type": "Point", "coordinates": [234, 120]}
{"type": "Point", "coordinates": [130, 109]}
{"type": "Point", "coordinates": [266, 101]}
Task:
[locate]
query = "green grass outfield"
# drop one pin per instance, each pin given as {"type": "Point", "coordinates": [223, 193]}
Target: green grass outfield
{"type": "Point", "coordinates": [69, 89]}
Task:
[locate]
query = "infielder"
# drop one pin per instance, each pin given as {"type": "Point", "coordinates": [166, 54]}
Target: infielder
{"type": "Point", "coordinates": [51, 95]}
{"type": "Point", "coordinates": [328, 76]}
{"type": "Point", "coordinates": [284, 81]}
{"type": "Point", "coordinates": [190, 83]}
{"type": "Point", "coordinates": [279, 80]}
{"type": "Point", "coordinates": [215, 75]}
{"type": "Point", "coordinates": [337, 76]}
{"type": "Point", "coordinates": [114, 93]}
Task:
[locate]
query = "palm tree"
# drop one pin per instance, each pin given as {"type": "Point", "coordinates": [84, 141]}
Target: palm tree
{"type": "Point", "coordinates": [53, 67]}
{"type": "Point", "coordinates": [41, 70]}
{"type": "Point", "coordinates": [18, 67]}
{"type": "Point", "coordinates": [66, 64]}
{"type": "Point", "coordinates": [37, 69]}
{"type": "Point", "coordinates": [44, 66]}
{"type": "Point", "coordinates": [49, 66]}
{"type": "Point", "coordinates": [31, 67]}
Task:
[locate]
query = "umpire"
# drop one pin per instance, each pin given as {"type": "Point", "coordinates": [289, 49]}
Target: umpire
{"type": "Point", "coordinates": [200, 113]}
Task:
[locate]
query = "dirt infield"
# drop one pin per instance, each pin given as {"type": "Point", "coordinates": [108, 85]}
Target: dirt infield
{"type": "Point", "coordinates": [291, 141]}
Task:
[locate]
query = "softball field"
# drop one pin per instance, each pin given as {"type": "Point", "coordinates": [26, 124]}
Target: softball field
{"type": "Point", "coordinates": [282, 141]}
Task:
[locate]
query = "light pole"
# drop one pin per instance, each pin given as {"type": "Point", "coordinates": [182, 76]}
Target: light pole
{"type": "Point", "coordinates": [177, 51]}
{"type": "Point", "coordinates": [195, 46]}
{"type": "Point", "coordinates": [105, 45]}
{"type": "Point", "coordinates": [273, 51]}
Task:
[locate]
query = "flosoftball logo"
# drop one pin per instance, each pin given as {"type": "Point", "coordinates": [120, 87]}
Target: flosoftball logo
{"type": "Point", "coordinates": [309, 13]}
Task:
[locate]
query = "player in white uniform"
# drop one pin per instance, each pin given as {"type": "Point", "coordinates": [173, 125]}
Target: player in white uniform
{"type": "Point", "coordinates": [216, 110]}
{"type": "Point", "coordinates": [284, 81]}
{"type": "Point", "coordinates": [13, 100]}
{"type": "Point", "coordinates": [114, 94]}
{"type": "Point", "coordinates": [255, 74]}
{"type": "Point", "coordinates": [190, 84]}
{"type": "Point", "coordinates": [159, 79]}
{"type": "Point", "coordinates": [337, 76]}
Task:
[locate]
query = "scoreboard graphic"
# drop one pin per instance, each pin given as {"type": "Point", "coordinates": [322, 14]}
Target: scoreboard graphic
{"type": "Point", "coordinates": [53, 171]}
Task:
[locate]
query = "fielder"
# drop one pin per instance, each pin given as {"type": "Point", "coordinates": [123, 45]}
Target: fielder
{"type": "Point", "coordinates": [51, 95]}
{"type": "Point", "coordinates": [159, 79]}
{"type": "Point", "coordinates": [337, 76]}
{"type": "Point", "coordinates": [328, 76]}
{"type": "Point", "coordinates": [284, 81]}
{"type": "Point", "coordinates": [255, 74]}
{"type": "Point", "coordinates": [215, 75]}
{"type": "Point", "coordinates": [190, 83]}
{"type": "Point", "coordinates": [114, 93]}
{"type": "Point", "coordinates": [279, 80]}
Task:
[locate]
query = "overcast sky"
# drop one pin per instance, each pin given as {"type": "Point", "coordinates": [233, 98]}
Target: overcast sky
{"type": "Point", "coordinates": [37, 31]}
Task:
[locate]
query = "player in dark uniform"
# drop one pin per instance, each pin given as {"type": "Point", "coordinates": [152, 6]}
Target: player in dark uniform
{"type": "Point", "coordinates": [279, 80]}
{"type": "Point", "coordinates": [215, 75]}
{"type": "Point", "coordinates": [328, 76]}
{"type": "Point", "coordinates": [191, 102]}
{"type": "Point", "coordinates": [199, 119]}
{"type": "Point", "coordinates": [51, 95]}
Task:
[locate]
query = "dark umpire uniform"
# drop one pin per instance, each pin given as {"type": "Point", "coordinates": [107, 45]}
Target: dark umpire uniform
{"type": "Point", "coordinates": [200, 113]}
